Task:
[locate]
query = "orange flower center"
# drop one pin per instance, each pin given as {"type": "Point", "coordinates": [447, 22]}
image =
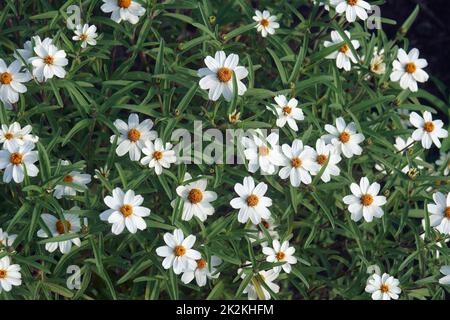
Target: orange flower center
{"type": "Point", "coordinates": [344, 137]}
{"type": "Point", "coordinates": [296, 163]}
{"type": "Point", "coordinates": [201, 264]}
{"type": "Point", "coordinates": [263, 151]}
{"type": "Point", "coordinates": [3, 274]}
{"type": "Point", "coordinates": [224, 74]}
{"type": "Point", "coordinates": [344, 49]}
{"type": "Point", "coordinates": [49, 60]}
{"type": "Point", "coordinates": [384, 288]}
{"type": "Point", "coordinates": [180, 251]}
{"type": "Point", "coordinates": [280, 255]}
{"type": "Point", "coordinates": [124, 3]}
{"type": "Point", "coordinates": [68, 179]}
{"type": "Point", "coordinates": [366, 200]}
{"type": "Point", "coordinates": [5, 78]}
{"type": "Point", "coordinates": [428, 126]}
{"type": "Point", "coordinates": [134, 135]}
{"type": "Point", "coordinates": [157, 155]}
{"type": "Point", "coordinates": [321, 159]}
{"type": "Point", "coordinates": [16, 158]}
{"type": "Point", "coordinates": [264, 23]}
{"type": "Point", "coordinates": [410, 67]}
{"type": "Point", "coordinates": [8, 136]}
{"type": "Point", "coordinates": [62, 226]}
{"type": "Point", "coordinates": [447, 212]}
{"type": "Point", "coordinates": [83, 36]}
{"type": "Point", "coordinates": [195, 196]}
{"type": "Point", "coordinates": [352, 2]}
{"type": "Point", "coordinates": [252, 200]}
{"type": "Point", "coordinates": [126, 210]}
{"type": "Point", "coordinates": [287, 110]}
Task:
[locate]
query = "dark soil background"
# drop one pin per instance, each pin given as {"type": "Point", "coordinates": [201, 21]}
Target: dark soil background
{"type": "Point", "coordinates": [430, 33]}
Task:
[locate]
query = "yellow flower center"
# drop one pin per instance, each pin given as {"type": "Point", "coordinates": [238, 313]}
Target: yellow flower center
{"type": "Point", "coordinates": [201, 264]}
{"type": "Point", "coordinates": [384, 288]}
{"type": "Point", "coordinates": [447, 212]}
{"type": "Point", "coordinates": [321, 159]}
{"type": "Point", "coordinates": [5, 78]}
{"type": "Point", "coordinates": [344, 49]}
{"type": "Point", "coordinates": [410, 67]}
{"type": "Point", "coordinates": [263, 151]}
{"type": "Point", "coordinates": [366, 200]}
{"type": "Point", "coordinates": [8, 136]}
{"type": "Point", "coordinates": [428, 126]}
{"type": "Point", "coordinates": [124, 3]}
{"type": "Point", "coordinates": [134, 135]}
{"type": "Point", "coordinates": [126, 210]}
{"type": "Point", "coordinates": [287, 110]}
{"type": "Point", "coordinates": [195, 196]}
{"type": "Point", "coordinates": [16, 158]}
{"type": "Point", "coordinates": [83, 36]}
{"type": "Point", "coordinates": [157, 155]}
{"type": "Point", "coordinates": [344, 137]}
{"type": "Point", "coordinates": [68, 179]}
{"type": "Point", "coordinates": [252, 200]}
{"type": "Point", "coordinates": [352, 2]}
{"type": "Point", "coordinates": [280, 255]}
{"type": "Point", "coordinates": [224, 74]}
{"type": "Point", "coordinates": [49, 60]}
{"type": "Point", "coordinates": [296, 163]}
{"type": "Point", "coordinates": [264, 23]}
{"type": "Point", "coordinates": [180, 251]}
{"type": "Point", "coordinates": [3, 274]}
{"type": "Point", "coordinates": [62, 226]}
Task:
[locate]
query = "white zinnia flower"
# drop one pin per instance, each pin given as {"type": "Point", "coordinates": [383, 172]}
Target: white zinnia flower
{"type": "Point", "coordinates": [365, 201]}
{"type": "Point", "coordinates": [75, 177]}
{"type": "Point", "coordinates": [202, 272]}
{"type": "Point", "coordinates": [70, 224]}
{"type": "Point", "coordinates": [178, 252]}
{"type": "Point", "coordinates": [343, 55]}
{"type": "Point", "coordinates": [287, 112]}
{"type": "Point", "coordinates": [218, 76]}
{"type": "Point", "coordinates": [15, 135]}
{"type": "Point", "coordinates": [133, 136]}
{"type": "Point", "coordinates": [444, 161]}
{"type": "Point", "coordinates": [7, 239]}
{"type": "Point", "coordinates": [125, 210]}
{"type": "Point", "coordinates": [270, 226]}
{"type": "Point", "coordinates": [377, 64]}
{"type": "Point", "coordinates": [86, 34]}
{"type": "Point", "coordinates": [196, 200]}
{"type": "Point", "coordinates": [323, 153]}
{"type": "Point", "coordinates": [298, 164]}
{"type": "Point", "coordinates": [262, 152]}
{"type": "Point", "coordinates": [428, 131]}
{"type": "Point", "coordinates": [28, 49]}
{"type": "Point", "coordinates": [383, 287]}
{"type": "Point", "coordinates": [252, 203]}
{"type": "Point", "coordinates": [268, 277]}
{"type": "Point", "coordinates": [16, 159]}
{"type": "Point", "coordinates": [266, 23]}
{"type": "Point", "coordinates": [408, 69]}
{"type": "Point", "coordinates": [11, 79]}
{"type": "Point", "coordinates": [440, 212]}
{"type": "Point", "coordinates": [445, 270]}
{"type": "Point", "coordinates": [126, 10]}
{"type": "Point", "coordinates": [9, 274]}
{"type": "Point", "coordinates": [352, 9]}
{"type": "Point", "coordinates": [48, 62]}
{"type": "Point", "coordinates": [158, 155]}
{"type": "Point", "coordinates": [344, 137]}
{"type": "Point", "coordinates": [280, 253]}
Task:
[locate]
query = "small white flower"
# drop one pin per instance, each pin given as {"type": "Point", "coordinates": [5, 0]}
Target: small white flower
{"type": "Point", "coordinates": [11, 79]}
{"type": "Point", "coordinates": [75, 177]}
{"type": "Point", "coordinates": [408, 70]}
{"type": "Point", "coordinates": [218, 76]}
{"type": "Point", "coordinates": [16, 159]}
{"type": "Point", "coordinates": [344, 137]}
{"type": "Point", "coordinates": [9, 274]}
{"type": "Point", "coordinates": [7, 239]}
{"type": "Point", "coordinates": [377, 64]}
{"type": "Point", "coordinates": [126, 10]}
{"type": "Point", "coordinates": [28, 49]}
{"type": "Point", "coordinates": [323, 153]}
{"type": "Point", "coordinates": [385, 287]}
{"type": "Point", "coordinates": [86, 34]}
{"type": "Point", "coordinates": [268, 277]}
{"type": "Point", "coordinates": [444, 161]}
{"type": "Point", "coordinates": [440, 212]}
{"type": "Point", "coordinates": [343, 55]}
{"type": "Point", "coordinates": [178, 252]}
{"type": "Point", "coordinates": [133, 136]}
{"type": "Point", "coordinates": [266, 23]}
{"type": "Point", "coordinates": [202, 272]}
{"type": "Point", "coordinates": [270, 226]}
{"type": "Point", "coordinates": [280, 253]}
{"type": "Point", "coordinates": [262, 152]}
{"type": "Point", "coordinates": [252, 203]}
{"type": "Point", "coordinates": [287, 112]}
{"type": "Point", "coordinates": [48, 62]}
{"type": "Point", "coordinates": [125, 210]}
{"type": "Point", "coordinates": [158, 155]}
{"type": "Point", "coordinates": [15, 135]}
{"type": "Point", "coordinates": [445, 270]}
{"type": "Point", "coordinates": [352, 9]}
{"type": "Point", "coordinates": [299, 163]}
{"type": "Point", "coordinates": [428, 131]}
{"type": "Point", "coordinates": [70, 224]}
{"type": "Point", "coordinates": [196, 200]}
{"type": "Point", "coordinates": [365, 201]}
